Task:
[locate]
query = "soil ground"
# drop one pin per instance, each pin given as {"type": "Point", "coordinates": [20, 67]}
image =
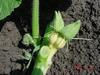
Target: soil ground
{"type": "Point", "coordinates": [81, 58]}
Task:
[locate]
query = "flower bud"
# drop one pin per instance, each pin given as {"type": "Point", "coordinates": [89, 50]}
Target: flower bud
{"type": "Point", "coordinates": [53, 38]}
{"type": "Point", "coordinates": [60, 43]}
{"type": "Point", "coordinates": [44, 51]}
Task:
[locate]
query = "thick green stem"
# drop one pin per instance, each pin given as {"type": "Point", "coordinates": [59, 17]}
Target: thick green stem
{"type": "Point", "coordinates": [35, 19]}
{"type": "Point", "coordinates": [44, 60]}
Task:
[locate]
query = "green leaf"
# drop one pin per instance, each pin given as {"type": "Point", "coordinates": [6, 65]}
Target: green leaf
{"type": "Point", "coordinates": [7, 6]}
{"type": "Point", "coordinates": [71, 30]}
{"type": "Point", "coordinates": [58, 21]}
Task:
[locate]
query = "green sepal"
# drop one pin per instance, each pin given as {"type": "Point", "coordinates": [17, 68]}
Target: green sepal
{"type": "Point", "coordinates": [69, 31]}
{"type": "Point", "coordinates": [58, 21]}
{"type": "Point", "coordinates": [27, 40]}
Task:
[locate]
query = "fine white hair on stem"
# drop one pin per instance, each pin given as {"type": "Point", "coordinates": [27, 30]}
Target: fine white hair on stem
{"type": "Point", "coordinates": [82, 39]}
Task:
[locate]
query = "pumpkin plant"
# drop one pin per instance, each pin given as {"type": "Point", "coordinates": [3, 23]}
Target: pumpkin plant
{"type": "Point", "coordinates": [55, 37]}
{"type": "Point", "coordinates": [57, 34]}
